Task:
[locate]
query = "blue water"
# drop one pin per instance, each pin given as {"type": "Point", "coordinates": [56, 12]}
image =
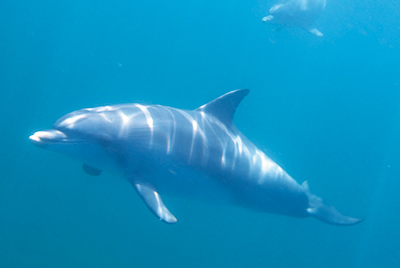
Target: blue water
{"type": "Point", "coordinates": [326, 109]}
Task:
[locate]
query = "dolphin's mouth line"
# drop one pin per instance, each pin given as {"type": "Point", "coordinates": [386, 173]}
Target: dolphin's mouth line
{"type": "Point", "coordinates": [52, 136]}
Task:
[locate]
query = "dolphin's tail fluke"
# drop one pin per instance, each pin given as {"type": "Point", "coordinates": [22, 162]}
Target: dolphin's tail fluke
{"type": "Point", "coordinates": [325, 213]}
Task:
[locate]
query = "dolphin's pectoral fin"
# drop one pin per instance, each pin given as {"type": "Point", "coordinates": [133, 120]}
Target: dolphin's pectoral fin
{"type": "Point", "coordinates": [315, 32]}
{"type": "Point", "coordinates": [154, 202]}
{"type": "Point", "coordinates": [91, 170]}
{"type": "Point", "coordinates": [330, 215]}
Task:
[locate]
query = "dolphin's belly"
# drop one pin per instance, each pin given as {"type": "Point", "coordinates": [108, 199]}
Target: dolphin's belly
{"type": "Point", "coordinates": [271, 191]}
{"type": "Point", "coordinates": [272, 196]}
{"type": "Point", "coordinates": [185, 181]}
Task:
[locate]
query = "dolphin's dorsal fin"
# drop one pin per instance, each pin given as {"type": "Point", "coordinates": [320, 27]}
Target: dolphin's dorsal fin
{"type": "Point", "coordinates": [225, 106]}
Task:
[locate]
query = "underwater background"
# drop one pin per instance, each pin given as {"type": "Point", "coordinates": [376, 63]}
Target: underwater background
{"type": "Point", "coordinates": [325, 109]}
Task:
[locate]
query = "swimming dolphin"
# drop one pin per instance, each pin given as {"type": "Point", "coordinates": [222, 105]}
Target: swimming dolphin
{"type": "Point", "coordinates": [302, 13]}
{"type": "Point", "coordinates": [196, 154]}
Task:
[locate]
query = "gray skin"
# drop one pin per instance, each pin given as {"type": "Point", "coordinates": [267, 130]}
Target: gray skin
{"type": "Point", "coordinates": [301, 13]}
{"type": "Point", "coordinates": [196, 154]}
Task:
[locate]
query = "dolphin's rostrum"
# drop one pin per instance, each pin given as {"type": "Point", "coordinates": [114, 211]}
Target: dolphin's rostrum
{"type": "Point", "coordinates": [196, 154]}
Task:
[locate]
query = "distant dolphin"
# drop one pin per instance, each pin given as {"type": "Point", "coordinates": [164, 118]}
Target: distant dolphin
{"type": "Point", "coordinates": [196, 154]}
{"type": "Point", "coordinates": [301, 13]}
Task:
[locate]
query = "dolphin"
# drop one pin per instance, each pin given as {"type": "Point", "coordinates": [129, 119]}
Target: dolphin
{"type": "Point", "coordinates": [197, 154]}
{"type": "Point", "coordinates": [302, 13]}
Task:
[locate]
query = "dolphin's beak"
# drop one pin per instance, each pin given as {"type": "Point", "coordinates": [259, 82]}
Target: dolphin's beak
{"type": "Point", "coordinates": [46, 137]}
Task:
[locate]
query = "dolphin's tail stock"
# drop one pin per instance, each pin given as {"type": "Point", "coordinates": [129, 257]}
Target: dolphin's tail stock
{"type": "Point", "coordinates": [325, 213]}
